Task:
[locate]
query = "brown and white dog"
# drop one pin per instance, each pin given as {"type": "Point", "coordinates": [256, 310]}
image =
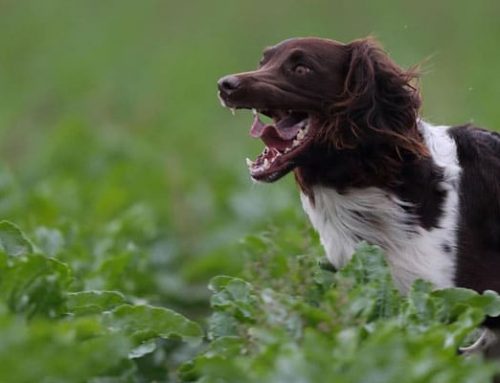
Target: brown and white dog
{"type": "Point", "coordinates": [345, 120]}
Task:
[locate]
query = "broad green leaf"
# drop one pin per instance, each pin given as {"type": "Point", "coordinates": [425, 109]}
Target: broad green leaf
{"type": "Point", "coordinates": [367, 264]}
{"type": "Point", "coordinates": [142, 349]}
{"type": "Point", "coordinates": [489, 301]}
{"type": "Point", "coordinates": [59, 351]}
{"type": "Point", "coordinates": [227, 347]}
{"type": "Point", "coordinates": [366, 285]}
{"type": "Point", "coordinates": [13, 241]}
{"type": "Point", "coordinates": [360, 329]}
{"type": "Point", "coordinates": [34, 284]}
{"type": "Point", "coordinates": [220, 282]}
{"type": "Point", "coordinates": [233, 295]}
{"type": "Point", "coordinates": [93, 302]}
{"type": "Point", "coordinates": [420, 305]}
{"type": "Point", "coordinates": [222, 324]}
{"type": "Point", "coordinates": [144, 323]}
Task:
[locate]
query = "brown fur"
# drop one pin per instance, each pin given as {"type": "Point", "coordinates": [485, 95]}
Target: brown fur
{"type": "Point", "coordinates": [364, 112]}
{"type": "Point", "coordinates": [378, 98]}
{"type": "Point", "coordinates": [365, 109]}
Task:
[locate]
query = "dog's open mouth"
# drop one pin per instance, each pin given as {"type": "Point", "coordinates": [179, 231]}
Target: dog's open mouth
{"type": "Point", "coordinates": [285, 138]}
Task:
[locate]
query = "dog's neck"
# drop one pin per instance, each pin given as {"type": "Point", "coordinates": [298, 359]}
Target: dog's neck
{"type": "Point", "coordinates": [413, 179]}
{"type": "Point", "coordinates": [413, 217]}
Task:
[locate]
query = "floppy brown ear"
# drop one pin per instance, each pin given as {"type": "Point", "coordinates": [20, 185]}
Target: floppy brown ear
{"type": "Point", "coordinates": [379, 101]}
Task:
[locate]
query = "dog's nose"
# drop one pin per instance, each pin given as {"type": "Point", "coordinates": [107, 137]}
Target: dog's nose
{"type": "Point", "coordinates": [228, 84]}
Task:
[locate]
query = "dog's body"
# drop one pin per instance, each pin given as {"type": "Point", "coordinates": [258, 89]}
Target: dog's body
{"type": "Point", "coordinates": [346, 122]}
{"type": "Point", "coordinates": [386, 218]}
{"type": "Point", "coordinates": [460, 246]}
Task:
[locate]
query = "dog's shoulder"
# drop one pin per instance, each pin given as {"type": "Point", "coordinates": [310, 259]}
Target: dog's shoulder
{"type": "Point", "coordinates": [478, 153]}
{"type": "Point", "coordinates": [476, 144]}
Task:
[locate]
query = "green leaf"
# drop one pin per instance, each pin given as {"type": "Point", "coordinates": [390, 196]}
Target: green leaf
{"type": "Point", "coordinates": [93, 302]}
{"type": "Point", "coordinates": [227, 347]}
{"type": "Point", "coordinates": [222, 324]}
{"type": "Point", "coordinates": [144, 323]}
{"type": "Point", "coordinates": [142, 349]}
{"type": "Point", "coordinates": [421, 307]}
{"type": "Point", "coordinates": [367, 265]}
{"type": "Point", "coordinates": [59, 351]}
{"type": "Point", "coordinates": [13, 241]}
{"type": "Point", "coordinates": [296, 331]}
{"type": "Point", "coordinates": [367, 286]}
{"type": "Point", "coordinates": [454, 298]}
{"type": "Point", "coordinates": [490, 302]}
{"type": "Point", "coordinates": [34, 284]}
{"type": "Point", "coordinates": [233, 295]}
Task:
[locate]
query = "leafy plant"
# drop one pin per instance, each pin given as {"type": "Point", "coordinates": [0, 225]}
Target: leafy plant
{"type": "Point", "coordinates": [71, 336]}
{"type": "Point", "coordinates": [357, 328]}
{"type": "Point", "coordinates": [123, 174]}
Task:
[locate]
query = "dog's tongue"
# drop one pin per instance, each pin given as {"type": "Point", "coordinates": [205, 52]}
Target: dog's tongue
{"type": "Point", "coordinates": [276, 136]}
{"type": "Point", "coordinates": [258, 127]}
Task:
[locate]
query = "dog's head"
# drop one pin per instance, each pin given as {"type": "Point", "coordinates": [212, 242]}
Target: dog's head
{"type": "Point", "coordinates": [324, 96]}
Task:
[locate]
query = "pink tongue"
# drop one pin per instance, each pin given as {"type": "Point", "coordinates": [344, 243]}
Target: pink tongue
{"type": "Point", "coordinates": [272, 140]}
{"type": "Point", "coordinates": [257, 128]}
{"type": "Point", "coordinates": [260, 130]}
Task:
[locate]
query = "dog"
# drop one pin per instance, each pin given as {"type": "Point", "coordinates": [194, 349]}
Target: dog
{"type": "Point", "coordinates": [345, 121]}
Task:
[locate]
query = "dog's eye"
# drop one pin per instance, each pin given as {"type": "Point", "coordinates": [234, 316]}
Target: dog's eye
{"type": "Point", "coordinates": [301, 70]}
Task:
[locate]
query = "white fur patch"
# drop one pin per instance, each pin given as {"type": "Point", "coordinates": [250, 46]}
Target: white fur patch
{"type": "Point", "coordinates": [376, 216]}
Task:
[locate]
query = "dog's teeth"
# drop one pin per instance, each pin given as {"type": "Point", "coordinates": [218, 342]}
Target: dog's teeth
{"type": "Point", "coordinates": [249, 162]}
{"type": "Point", "coordinates": [287, 150]}
{"type": "Point", "coordinates": [295, 143]}
{"type": "Point", "coordinates": [254, 112]}
{"type": "Point", "coordinates": [222, 102]}
{"type": "Point", "coordinates": [301, 135]}
{"type": "Point", "coordinates": [266, 163]}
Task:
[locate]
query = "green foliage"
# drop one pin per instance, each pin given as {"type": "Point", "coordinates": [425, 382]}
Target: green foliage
{"type": "Point", "coordinates": [128, 181]}
{"type": "Point", "coordinates": [358, 329]}
{"type": "Point", "coordinates": [285, 318]}
{"type": "Point", "coordinates": [143, 323]}
{"type": "Point", "coordinates": [12, 240]}
{"type": "Point", "coordinates": [93, 302]}
{"type": "Point", "coordinates": [59, 351]}
{"type": "Point", "coordinates": [50, 333]}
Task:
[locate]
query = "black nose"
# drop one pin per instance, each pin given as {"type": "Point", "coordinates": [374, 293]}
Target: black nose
{"type": "Point", "coordinates": [228, 84]}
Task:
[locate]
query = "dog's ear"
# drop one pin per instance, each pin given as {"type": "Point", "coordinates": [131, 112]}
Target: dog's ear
{"type": "Point", "coordinates": [379, 100]}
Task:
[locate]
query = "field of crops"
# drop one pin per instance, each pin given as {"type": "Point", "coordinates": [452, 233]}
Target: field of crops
{"type": "Point", "coordinates": [134, 247]}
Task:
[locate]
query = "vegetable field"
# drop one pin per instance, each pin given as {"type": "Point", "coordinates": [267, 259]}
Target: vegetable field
{"type": "Point", "coordinates": [134, 247]}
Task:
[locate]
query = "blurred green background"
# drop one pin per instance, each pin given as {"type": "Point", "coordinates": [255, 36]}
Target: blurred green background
{"type": "Point", "coordinates": [117, 157]}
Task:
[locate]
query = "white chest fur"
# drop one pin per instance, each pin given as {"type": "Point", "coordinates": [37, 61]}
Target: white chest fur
{"type": "Point", "coordinates": [374, 215]}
